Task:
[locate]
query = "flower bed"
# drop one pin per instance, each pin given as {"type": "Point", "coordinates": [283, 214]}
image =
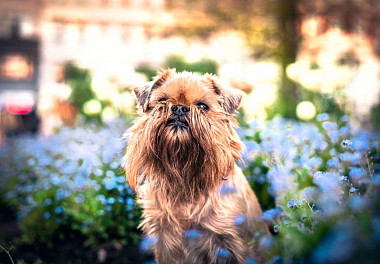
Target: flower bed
{"type": "Point", "coordinates": [318, 185]}
{"type": "Point", "coordinates": [325, 182]}
{"type": "Point", "coordinates": [71, 183]}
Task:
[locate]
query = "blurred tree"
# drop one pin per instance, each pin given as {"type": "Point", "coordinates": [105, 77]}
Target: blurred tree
{"type": "Point", "coordinates": [352, 16]}
{"type": "Point", "coordinates": [80, 82]}
{"type": "Point", "coordinates": [272, 28]}
{"type": "Point", "coordinates": [179, 62]}
{"type": "Point", "coordinates": [148, 70]}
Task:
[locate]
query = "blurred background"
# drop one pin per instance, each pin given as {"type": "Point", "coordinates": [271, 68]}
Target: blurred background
{"type": "Point", "coordinates": [297, 58]}
{"type": "Point", "coordinates": [310, 120]}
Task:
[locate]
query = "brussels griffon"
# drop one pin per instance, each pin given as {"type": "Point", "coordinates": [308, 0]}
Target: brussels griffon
{"type": "Point", "coordinates": [197, 204]}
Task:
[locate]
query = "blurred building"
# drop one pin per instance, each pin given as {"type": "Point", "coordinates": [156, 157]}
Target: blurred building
{"type": "Point", "coordinates": [103, 36]}
{"type": "Point", "coordinates": [19, 65]}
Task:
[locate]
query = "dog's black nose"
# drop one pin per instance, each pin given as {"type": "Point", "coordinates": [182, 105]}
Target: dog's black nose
{"type": "Point", "coordinates": [179, 110]}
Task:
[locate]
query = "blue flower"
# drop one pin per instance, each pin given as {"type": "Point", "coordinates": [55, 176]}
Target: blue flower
{"type": "Point", "coordinates": [55, 179]}
{"type": "Point", "coordinates": [31, 162]}
{"type": "Point", "coordinates": [303, 217]}
{"type": "Point", "coordinates": [130, 201]}
{"type": "Point", "coordinates": [193, 234]}
{"type": "Point", "coordinates": [101, 198]}
{"type": "Point", "coordinates": [111, 200]}
{"type": "Point", "coordinates": [314, 162]}
{"type": "Point", "coordinates": [271, 214]}
{"type": "Point", "coordinates": [110, 173]}
{"type": "Point", "coordinates": [110, 183]}
{"type": "Point", "coordinates": [48, 202]}
{"type": "Point", "coordinates": [322, 117]}
{"type": "Point", "coordinates": [114, 165]}
{"type": "Point", "coordinates": [333, 163]}
{"type": "Point", "coordinates": [346, 143]}
{"type": "Point", "coordinates": [292, 204]}
{"type": "Point", "coordinates": [80, 182]}
{"type": "Point", "coordinates": [147, 243]}
{"type": "Point", "coordinates": [328, 182]}
{"type": "Point", "coordinates": [336, 247]}
{"type": "Point", "coordinates": [308, 194]}
{"type": "Point", "coordinates": [251, 148]}
{"type": "Point", "coordinates": [328, 125]}
{"type": "Point", "coordinates": [250, 261]}
{"type": "Point", "coordinates": [59, 210]}
{"type": "Point", "coordinates": [227, 189]}
{"type": "Point", "coordinates": [223, 254]}
{"type": "Point", "coordinates": [130, 204]}
{"type": "Point", "coordinates": [334, 136]}
{"type": "Point", "coordinates": [46, 215]}
{"type": "Point", "coordinates": [61, 194]}
{"type": "Point", "coordinates": [353, 190]}
{"type": "Point", "coordinates": [120, 179]}
{"type": "Point", "coordinates": [79, 198]}
{"type": "Point", "coordinates": [240, 220]}
{"type": "Point", "coordinates": [357, 174]}
{"type": "Point", "coordinates": [266, 243]}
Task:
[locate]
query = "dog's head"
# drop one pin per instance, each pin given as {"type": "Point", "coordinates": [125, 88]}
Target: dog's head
{"type": "Point", "coordinates": [185, 134]}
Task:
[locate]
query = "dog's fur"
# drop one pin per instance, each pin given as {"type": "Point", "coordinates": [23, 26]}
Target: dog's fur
{"type": "Point", "coordinates": [183, 169]}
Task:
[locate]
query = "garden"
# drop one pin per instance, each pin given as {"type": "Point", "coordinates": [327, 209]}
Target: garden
{"type": "Point", "coordinates": [318, 183]}
{"type": "Point", "coordinates": [311, 141]}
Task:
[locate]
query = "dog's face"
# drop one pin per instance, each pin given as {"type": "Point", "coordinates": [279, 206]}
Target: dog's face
{"type": "Point", "coordinates": [185, 133]}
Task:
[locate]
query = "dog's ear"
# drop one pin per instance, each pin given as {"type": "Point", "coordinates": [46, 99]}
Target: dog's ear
{"type": "Point", "coordinates": [231, 96]}
{"type": "Point", "coordinates": [144, 92]}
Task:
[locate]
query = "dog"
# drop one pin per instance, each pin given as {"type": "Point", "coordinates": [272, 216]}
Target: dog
{"type": "Point", "coordinates": [181, 160]}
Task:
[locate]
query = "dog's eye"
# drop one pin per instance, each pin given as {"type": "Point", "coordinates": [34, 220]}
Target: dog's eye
{"type": "Point", "coordinates": [163, 99]}
{"type": "Point", "coordinates": [202, 106]}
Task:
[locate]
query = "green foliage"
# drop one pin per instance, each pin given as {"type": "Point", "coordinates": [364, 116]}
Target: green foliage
{"type": "Point", "coordinates": [58, 196]}
{"type": "Point", "coordinates": [324, 103]}
{"type": "Point", "coordinates": [321, 188]}
{"type": "Point", "coordinates": [179, 62]}
{"type": "Point", "coordinates": [84, 213]}
{"type": "Point", "coordinates": [80, 82]}
{"type": "Point", "coordinates": [375, 115]}
{"type": "Point", "coordinates": [7, 251]}
{"type": "Point", "coordinates": [146, 69]}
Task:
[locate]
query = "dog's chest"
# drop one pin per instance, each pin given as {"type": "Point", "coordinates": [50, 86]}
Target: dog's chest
{"type": "Point", "coordinates": [191, 214]}
{"type": "Point", "coordinates": [182, 215]}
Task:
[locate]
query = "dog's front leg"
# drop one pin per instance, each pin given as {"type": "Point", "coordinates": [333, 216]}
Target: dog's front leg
{"type": "Point", "coordinates": [169, 246]}
{"type": "Point", "coordinates": [212, 248]}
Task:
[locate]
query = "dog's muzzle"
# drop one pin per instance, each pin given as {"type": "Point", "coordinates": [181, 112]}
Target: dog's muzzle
{"type": "Point", "coordinates": [179, 110]}
{"type": "Point", "coordinates": [178, 117]}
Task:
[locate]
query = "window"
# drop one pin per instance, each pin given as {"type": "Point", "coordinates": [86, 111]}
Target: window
{"type": "Point", "coordinates": [16, 67]}
{"type": "Point", "coordinates": [125, 3]}
{"type": "Point", "coordinates": [125, 35]}
{"type": "Point", "coordinates": [81, 2]}
{"type": "Point", "coordinates": [59, 2]}
{"type": "Point", "coordinates": [59, 33]}
{"type": "Point", "coordinates": [105, 2]}
{"type": "Point", "coordinates": [81, 29]}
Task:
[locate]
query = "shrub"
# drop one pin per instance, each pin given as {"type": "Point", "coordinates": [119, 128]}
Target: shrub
{"type": "Point", "coordinates": [318, 185]}
{"type": "Point", "coordinates": [203, 66]}
{"type": "Point", "coordinates": [80, 82]}
{"type": "Point", "coordinates": [71, 183]}
{"type": "Point", "coordinates": [322, 179]}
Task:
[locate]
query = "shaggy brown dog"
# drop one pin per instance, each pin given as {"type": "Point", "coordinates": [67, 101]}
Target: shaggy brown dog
{"type": "Point", "coordinates": [197, 204]}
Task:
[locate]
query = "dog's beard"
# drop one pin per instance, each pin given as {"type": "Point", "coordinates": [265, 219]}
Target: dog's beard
{"type": "Point", "coordinates": [182, 157]}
